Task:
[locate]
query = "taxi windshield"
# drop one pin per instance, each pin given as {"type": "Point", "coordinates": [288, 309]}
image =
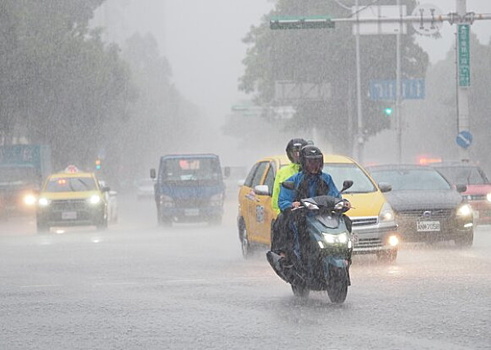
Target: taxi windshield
{"type": "Point", "coordinates": [71, 184]}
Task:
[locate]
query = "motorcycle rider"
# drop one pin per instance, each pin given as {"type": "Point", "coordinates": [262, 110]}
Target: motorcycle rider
{"type": "Point", "coordinates": [293, 148]}
{"type": "Point", "coordinates": [309, 182]}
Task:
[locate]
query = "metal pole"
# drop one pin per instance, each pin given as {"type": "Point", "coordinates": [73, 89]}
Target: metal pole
{"type": "Point", "coordinates": [360, 139]}
{"type": "Point", "coordinates": [398, 113]}
{"type": "Point", "coordinates": [463, 91]}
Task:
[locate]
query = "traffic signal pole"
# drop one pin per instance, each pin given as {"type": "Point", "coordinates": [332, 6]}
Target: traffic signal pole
{"type": "Point", "coordinates": [462, 18]}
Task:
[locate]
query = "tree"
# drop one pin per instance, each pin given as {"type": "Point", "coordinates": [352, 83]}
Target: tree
{"type": "Point", "coordinates": [326, 56]}
{"type": "Point", "coordinates": [62, 83]}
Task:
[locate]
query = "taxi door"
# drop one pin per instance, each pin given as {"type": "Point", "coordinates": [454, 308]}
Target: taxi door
{"type": "Point", "coordinates": [264, 210]}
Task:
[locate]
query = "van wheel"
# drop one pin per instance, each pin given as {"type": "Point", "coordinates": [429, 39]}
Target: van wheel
{"type": "Point", "coordinates": [42, 227]}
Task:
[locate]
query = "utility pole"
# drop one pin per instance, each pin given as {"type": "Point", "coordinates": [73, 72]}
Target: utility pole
{"type": "Point", "coordinates": [463, 69]}
{"type": "Point", "coordinates": [360, 139]}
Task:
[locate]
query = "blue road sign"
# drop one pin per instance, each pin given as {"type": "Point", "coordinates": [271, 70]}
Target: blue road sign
{"type": "Point", "coordinates": [464, 139]}
{"type": "Point", "coordinates": [411, 89]}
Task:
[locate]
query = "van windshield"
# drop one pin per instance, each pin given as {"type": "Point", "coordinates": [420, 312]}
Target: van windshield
{"type": "Point", "coordinates": [191, 169]}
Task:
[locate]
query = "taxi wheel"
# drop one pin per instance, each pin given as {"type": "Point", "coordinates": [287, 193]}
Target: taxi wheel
{"type": "Point", "coordinates": [465, 240]}
{"type": "Point", "coordinates": [246, 247]}
{"type": "Point", "coordinates": [42, 227]}
{"type": "Point", "coordinates": [102, 225]}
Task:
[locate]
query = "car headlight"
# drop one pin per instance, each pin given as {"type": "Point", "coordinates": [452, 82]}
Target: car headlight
{"type": "Point", "coordinates": [488, 197]}
{"type": "Point", "coordinates": [94, 199]}
{"type": "Point", "coordinates": [464, 210]}
{"type": "Point", "coordinates": [44, 202]}
{"type": "Point", "coordinates": [166, 201]}
{"type": "Point", "coordinates": [334, 239]}
{"type": "Point", "coordinates": [386, 213]}
{"type": "Point", "coordinates": [29, 199]}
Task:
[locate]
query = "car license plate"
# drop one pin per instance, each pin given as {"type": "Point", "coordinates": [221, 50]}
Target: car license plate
{"type": "Point", "coordinates": [68, 215]}
{"type": "Point", "coordinates": [428, 225]}
{"type": "Point", "coordinates": [191, 212]}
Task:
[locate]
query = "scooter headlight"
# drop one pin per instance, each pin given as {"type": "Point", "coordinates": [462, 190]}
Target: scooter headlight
{"type": "Point", "coordinates": [341, 238]}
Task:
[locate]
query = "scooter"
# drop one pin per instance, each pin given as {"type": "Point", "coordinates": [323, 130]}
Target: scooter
{"type": "Point", "coordinates": [325, 257]}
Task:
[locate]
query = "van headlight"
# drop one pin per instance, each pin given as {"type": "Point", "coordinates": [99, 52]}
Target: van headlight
{"type": "Point", "coordinates": [386, 213]}
{"type": "Point", "coordinates": [464, 210]}
{"type": "Point", "coordinates": [94, 199]}
{"type": "Point", "coordinates": [488, 197]}
{"type": "Point", "coordinates": [166, 201]}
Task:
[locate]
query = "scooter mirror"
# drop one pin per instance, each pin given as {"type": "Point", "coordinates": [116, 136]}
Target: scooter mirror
{"type": "Point", "coordinates": [288, 184]}
{"type": "Point", "coordinates": [347, 184]}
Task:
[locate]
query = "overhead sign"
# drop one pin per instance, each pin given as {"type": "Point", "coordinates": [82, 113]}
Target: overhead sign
{"type": "Point", "coordinates": [374, 12]}
{"type": "Point", "coordinates": [464, 61]}
{"type": "Point", "coordinates": [301, 22]}
{"type": "Point", "coordinates": [464, 139]}
{"type": "Point", "coordinates": [411, 89]}
{"type": "Point", "coordinates": [424, 27]}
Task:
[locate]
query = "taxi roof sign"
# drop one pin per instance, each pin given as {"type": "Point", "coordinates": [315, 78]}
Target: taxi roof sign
{"type": "Point", "coordinates": [71, 169]}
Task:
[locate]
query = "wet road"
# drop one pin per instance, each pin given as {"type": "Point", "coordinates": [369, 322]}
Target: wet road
{"type": "Point", "coordinates": [139, 286]}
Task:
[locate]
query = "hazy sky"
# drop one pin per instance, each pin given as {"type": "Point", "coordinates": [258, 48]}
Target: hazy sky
{"type": "Point", "coordinates": [202, 40]}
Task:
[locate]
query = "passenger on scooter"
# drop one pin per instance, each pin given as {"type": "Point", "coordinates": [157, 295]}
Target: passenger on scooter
{"type": "Point", "coordinates": [309, 182]}
{"type": "Point", "coordinates": [293, 152]}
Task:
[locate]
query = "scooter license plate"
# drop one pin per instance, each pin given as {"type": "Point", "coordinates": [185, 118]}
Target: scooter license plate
{"type": "Point", "coordinates": [425, 226]}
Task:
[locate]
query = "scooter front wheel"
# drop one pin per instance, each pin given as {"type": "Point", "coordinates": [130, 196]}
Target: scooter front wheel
{"type": "Point", "coordinates": [300, 291]}
{"type": "Point", "coordinates": [337, 289]}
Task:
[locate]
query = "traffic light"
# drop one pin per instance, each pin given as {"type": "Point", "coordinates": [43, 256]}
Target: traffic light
{"type": "Point", "coordinates": [97, 164]}
{"type": "Point", "coordinates": [388, 111]}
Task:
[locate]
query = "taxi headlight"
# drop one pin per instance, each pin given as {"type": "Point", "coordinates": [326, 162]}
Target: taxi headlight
{"type": "Point", "coordinates": [488, 197]}
{"type": "Point", "coordinates": [386, 213]}
{"type": "Point", "coordinates": [29, 199]}
{"type": "Point", "coordinates": [94, 199]}
{"type": "Point", "coordinates": [464, 210]}
{"type": "Point", "coordinates": [44, 202]}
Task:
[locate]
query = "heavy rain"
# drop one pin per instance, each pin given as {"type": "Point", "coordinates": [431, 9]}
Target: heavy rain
{"type": "Point", "coordinates": [140, 141]}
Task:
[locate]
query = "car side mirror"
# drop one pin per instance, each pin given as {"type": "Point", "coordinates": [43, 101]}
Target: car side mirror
{"type": "Point", "coordinates": [385, 187]}
{"type": "Point", "coordinates": [262, 190]}
{"type": "Point", "coordinates": [461, 188]}
{"type": "Point", "coordinates": [105, 189]}
{"type": "Point", "coordinates": [153, 174]}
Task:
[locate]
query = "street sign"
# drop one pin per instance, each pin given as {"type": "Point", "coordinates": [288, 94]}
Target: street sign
{"type": "Point", "coordinates": [300, 22]}
{"type": "Point", "coordinates": [411, 89]}
{"type": "Point", "coordinates": [464, 62]}
{"type": "Point", "coordinates": [464, 139]}
{"type": "Point", "coordinates": [423, 27]}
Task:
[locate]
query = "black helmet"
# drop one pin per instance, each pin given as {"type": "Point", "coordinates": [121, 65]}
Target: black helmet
{"type": "Point", "coordinates": [294, 145]}
{"type": "Point", "coordinates": [311, 159]}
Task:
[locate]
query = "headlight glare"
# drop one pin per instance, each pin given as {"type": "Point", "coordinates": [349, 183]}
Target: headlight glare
{"type": "Point", "coordinates": [464, 210]}
{"type": "Point", "coordinates": [29, 199]}
{"type": "Point", "coordinates": [94, 199]}
{"type": "Point", "coordinates": [488, 197]}
{"type": "Point", "coordinates": [341, 238]}
{"type": "Point", "coordinates": [44, 202]}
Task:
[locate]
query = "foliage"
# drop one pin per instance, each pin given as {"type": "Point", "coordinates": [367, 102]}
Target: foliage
{"type": "Point", "coordinates": [326, 56]}
{"type": "Point", "coordinates": [60, 83]}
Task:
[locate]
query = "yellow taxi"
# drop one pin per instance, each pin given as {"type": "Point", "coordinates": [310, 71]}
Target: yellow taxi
{"type": "Point", "coordinates": [71, 198]}
{"type": "Point", "coordinates": [374, 226]}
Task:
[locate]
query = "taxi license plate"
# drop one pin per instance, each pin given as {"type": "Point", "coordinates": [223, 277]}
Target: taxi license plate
{"type": "Point", "coordinates": [424, 226]}
{"type": "Point", "coordinates": [191, 212]}
{"type": "Point", "coordinates": [68, 215]}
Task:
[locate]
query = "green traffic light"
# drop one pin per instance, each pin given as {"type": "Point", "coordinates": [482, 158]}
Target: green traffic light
{"type": "Point", "coordinates": [388, 111]}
